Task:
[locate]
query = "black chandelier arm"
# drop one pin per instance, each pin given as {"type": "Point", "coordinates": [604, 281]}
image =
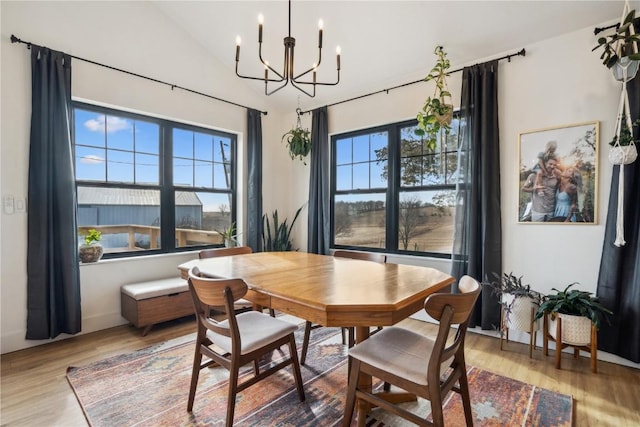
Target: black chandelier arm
{"type": "Point", "coordinates": [267, 92]}
{"type": "Point", "coordinates": [301, 89]}
{"type": "Point", "coordinates": [319, 83]}
{"type": "Point", "coordinates": [262, 79]}
{"type": "Point", "coordinates": [317, 65]}
{"type": "Point", "coordinates": [282, 78]}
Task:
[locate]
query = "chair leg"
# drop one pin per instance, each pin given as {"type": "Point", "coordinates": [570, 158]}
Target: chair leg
{"type": "Point", "coordinates": [305, 342]}
{"type": "Point", "coordinates": [272, 312]}
{"type": "Point", "coordinates": [342, 332]}
{"type": "Point", "coordinates": [295, 366]}
{"type": "Point", "coordinates": [437, 414]}
{"type": "Point", "coordinates": [354, 374]}
{"type": "Point", "coordinates": [233, 390]}
{"type": "Point", "coordinates": [352, 337]}
{"type": "Point", "coordinates": [195, 373]}
{"type": "Point", "coordinates": [466, 398]}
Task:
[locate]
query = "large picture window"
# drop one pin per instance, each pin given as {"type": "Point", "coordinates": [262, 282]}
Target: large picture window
{"type": "Point", "coordinates": [151, 185]}
{"type": "Point", "coordinates": [391, 193]}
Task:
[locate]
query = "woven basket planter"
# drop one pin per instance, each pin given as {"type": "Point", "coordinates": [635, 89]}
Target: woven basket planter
{"type": "Point", "coordinates": [576, 330]}
{"type": "Point", "coordinates": [619, 155]}
{"type": "Point", "coordinates": [519, 315]}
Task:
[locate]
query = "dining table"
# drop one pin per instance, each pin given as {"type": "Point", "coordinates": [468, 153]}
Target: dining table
{"type": "Point", "coordinates": [330, 291]}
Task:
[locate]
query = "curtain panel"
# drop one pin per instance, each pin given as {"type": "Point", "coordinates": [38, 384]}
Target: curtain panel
{"type": "Point", "coordinates": [319, 222]}
{"type": "Point", "coordinates": [619, 278]}
{"type": "Point", "coordinates": [254, 180]}
{"type": "Point", "coordinates": [53, 276]}
{"type": "Point", "coordinates": [477, 246]}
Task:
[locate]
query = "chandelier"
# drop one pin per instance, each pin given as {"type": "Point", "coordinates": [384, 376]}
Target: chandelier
{"type": "Point", "coordinates": [288, 75]}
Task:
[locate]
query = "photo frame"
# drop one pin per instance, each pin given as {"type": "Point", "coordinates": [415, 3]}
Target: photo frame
{"type": "Point", "coordinates": [558, 174]}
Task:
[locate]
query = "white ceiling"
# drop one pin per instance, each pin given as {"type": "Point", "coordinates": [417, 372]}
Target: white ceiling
{"type": "Point", "coordinates": [384, 43]}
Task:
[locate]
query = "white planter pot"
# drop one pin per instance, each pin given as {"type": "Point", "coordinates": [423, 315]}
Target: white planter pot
{"type": "Point", "coordinates": [623, 155]}
{"type": "Point", "coordinates": [518, 315]}
{"type": "Point", "coordinates": [576, 330]}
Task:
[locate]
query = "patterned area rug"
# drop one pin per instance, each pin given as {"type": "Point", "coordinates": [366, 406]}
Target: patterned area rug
{"type": "Point", "coordinates": [150, 387]}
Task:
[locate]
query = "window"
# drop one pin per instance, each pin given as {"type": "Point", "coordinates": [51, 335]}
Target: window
{"type": "Point", "coordinates": [391, 193]}
{"type": "Point", "coordinates": [151, 185]}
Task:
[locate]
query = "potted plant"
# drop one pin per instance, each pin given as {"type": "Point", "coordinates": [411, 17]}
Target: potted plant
{"type": "Point", "coordinates": [621, 48]}
{"type": "Point", "coordinates": [229, 236]}
{"type": "Point", "coordinates": [577, 309]}
{"type": "Point", "coordinates": [278, 237]}
{"type": "Point", "coordinates": [298, 140]}
{"type": "Point", "coordinates": [623, 148]}
{"type": "Point", "coordinates": [437, 112]}
{"type": "Point", "coordinates": [91, 250]}
{"type": "Point", "coordinates": [519, 304]}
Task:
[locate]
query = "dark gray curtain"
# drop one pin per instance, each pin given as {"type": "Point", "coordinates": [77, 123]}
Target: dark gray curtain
{"type": "Point", "coordinates": [254, 180]}
{"type": "Point", "coordinates": [53, 277]}
{"type": "Point", "coordinates": [319, 221]}
{"type": "Point", "coordinates": [619, 279]}
{"type": "Point", "coordinates": [477, 249]}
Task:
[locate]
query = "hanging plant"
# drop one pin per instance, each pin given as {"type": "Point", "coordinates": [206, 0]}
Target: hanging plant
{"type": "Point", "coordinates": [623, 43]}
{"type": "Point", "coordinates": [437, 111]}
{"type": "Point", "coordinates": [624, 146]}
{"type": "Point", "coordinates": [298, 140]}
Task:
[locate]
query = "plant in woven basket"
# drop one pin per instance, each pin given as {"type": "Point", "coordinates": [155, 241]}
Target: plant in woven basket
{"type": "Point", "coordinates": [626, 137]}
{"type": "Point", "coordinates": [510, 289]}
{"type": "Point", "coordinates": [298, 140]}
{"type": "Point", "coordinates": [437, 112]}
{"type": "Point", "coordinates": [573, 302]}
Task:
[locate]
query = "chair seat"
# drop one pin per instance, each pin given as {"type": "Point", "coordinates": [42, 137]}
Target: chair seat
{"type": "Point", "coordinates": [256, 329]}
{"type": "Point", "coordinates": [399, 352]}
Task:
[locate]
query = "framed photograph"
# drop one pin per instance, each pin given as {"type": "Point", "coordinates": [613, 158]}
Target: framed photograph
{"type": "Point", "coordinates": [558, 173]}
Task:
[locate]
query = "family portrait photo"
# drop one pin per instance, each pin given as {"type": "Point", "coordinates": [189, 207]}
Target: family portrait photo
{"type": "Point", "coordinates": [558, 174]}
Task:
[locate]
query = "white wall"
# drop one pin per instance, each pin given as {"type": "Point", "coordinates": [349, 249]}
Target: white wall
{"type": "Point", "coordinates": [144, 42]}
{"type": "Point", "coordinates": [559, 82]}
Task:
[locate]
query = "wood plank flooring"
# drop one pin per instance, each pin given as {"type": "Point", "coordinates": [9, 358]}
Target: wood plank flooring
{"type": "Point", "coordinates": [35, 392]}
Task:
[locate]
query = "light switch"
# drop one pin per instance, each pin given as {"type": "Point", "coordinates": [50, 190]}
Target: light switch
{"type": "Point", "coordinates": [8, 204]}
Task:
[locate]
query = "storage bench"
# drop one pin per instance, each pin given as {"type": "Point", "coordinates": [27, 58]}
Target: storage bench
{"type": "Point", "coordinates": [146, 303]}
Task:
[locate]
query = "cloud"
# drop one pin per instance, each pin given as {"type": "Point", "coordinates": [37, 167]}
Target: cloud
{"type": "Point", "coordinates": [114, 124]}
{"type": "Point", "coordinates": [91, 159]}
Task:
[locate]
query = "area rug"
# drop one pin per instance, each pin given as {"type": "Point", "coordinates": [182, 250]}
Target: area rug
{"type": "Point", "coordinates": [149, 387]}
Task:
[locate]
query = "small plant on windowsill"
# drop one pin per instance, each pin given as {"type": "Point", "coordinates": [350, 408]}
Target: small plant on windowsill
{"type": "Point", "coordinates": [229, 236]}
{"type": "Point", "coordinates": [437, 112]}
{"type": "Point", "coordinates": [91, 250]}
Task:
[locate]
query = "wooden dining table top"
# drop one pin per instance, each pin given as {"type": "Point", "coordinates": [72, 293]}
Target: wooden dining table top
{"type": "Point", "coordinates": [327, 290]}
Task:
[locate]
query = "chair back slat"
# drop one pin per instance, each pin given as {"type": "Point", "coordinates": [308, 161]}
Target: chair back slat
{"type": "Point", "coordinates": [462, 304]}
{"type": "Point", "coordinates": [365, 256]}
{"type": "Point", "coordinates": [211, 291]}
{"type": "Point", "coordinates": [218, 252]}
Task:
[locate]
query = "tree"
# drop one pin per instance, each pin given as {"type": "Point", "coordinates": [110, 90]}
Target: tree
{"type": "Point", "coordinates": [409, 219]}
{"type": "Point", "coordinates": [341, 218]}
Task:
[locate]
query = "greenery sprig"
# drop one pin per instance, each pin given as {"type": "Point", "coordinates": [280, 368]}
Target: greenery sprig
{"type": "Point", "coordinates": [437, 111]}
{"type": "Point", "coordinates": [92, 236]}
{"type": "Point", "coordinates": [620, 44]}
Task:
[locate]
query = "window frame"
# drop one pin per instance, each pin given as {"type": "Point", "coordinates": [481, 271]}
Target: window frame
{"type": "Point", "coordinates": [165, 185]}
{"type": "Point", "coordinates": [393, 189]}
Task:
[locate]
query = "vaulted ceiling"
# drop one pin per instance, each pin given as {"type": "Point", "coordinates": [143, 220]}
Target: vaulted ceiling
{"type": "Point", "coordinates": [384, 43]}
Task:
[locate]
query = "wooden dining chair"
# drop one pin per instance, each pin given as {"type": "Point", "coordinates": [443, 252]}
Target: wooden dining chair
{"type": "Point", "coordinates": [241, 304]}
{"type": "Point", "coordinates": [349, 332]}
{"type": "Point", "coordinates": [237, 340]}
{"type": "Point", "coordinates": [417, 364]}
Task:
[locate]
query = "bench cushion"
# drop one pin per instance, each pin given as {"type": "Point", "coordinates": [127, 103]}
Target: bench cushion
{"type": "Point", "coordinates": [155, 288]}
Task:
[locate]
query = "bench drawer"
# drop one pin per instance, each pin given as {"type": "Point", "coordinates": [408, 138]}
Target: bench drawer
{"type": "Point", "coordinates": [155, 310]}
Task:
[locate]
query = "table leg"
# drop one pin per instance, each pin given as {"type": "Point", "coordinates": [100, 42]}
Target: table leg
{"type": "Point", "coordinates": [365, 382]}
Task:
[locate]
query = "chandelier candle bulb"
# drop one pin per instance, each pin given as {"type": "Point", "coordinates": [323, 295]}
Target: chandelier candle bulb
{"type": "Point", "coordinates": [338, 51]}
{"type": "Point", "coordinates": [320, 26]}
{"type": "Point", "coordinates": [260, 22]}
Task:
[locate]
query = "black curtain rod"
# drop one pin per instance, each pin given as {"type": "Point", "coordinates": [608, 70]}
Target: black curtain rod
{"type": "Point", "coordinates": [15, 39]}
{"type": "Point", "coordinates": [599, 29]}
{"type": "Point", "coordinates": [507, 57]}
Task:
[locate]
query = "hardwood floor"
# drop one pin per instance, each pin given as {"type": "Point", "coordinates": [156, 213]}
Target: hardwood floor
{"type": "Point", "coordinates": [35, 391]}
